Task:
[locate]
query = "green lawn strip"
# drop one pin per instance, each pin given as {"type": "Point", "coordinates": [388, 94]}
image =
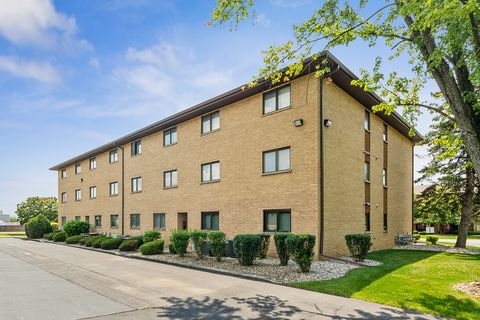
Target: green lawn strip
{"type": "Point", "coordinates": [416, 280]}
{"type": "Point", "coordinates": [12, 234]}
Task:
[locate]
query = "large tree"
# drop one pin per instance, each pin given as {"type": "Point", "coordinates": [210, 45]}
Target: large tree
{"type": "Point", "coordinates": [34, 206]}
{"type": "Point", "coordinates": [441, 38]}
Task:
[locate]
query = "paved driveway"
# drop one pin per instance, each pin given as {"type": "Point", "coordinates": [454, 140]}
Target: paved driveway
{"type": "Point", "coordinates": [49, 281]}
{"type": "Point", "coordinates": [470, 242]}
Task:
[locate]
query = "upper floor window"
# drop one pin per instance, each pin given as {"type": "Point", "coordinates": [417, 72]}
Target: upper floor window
{"type": "Point", "coordinates": [98, 221]}
{"type": "Point", "coordinates": [276, 160]}
{"type": "Point", "coordinates": [211, 171]}
{"type": "Point", "coordinates": [385, 178]}
{"type": "Point", "coordinates": [276, 99]}
{"type": "Point", "coordinates": [93, 192]}
{"type": "Point", "coordinates": [170, 136]}
{"type": "Point", "coordinates": [159, 221]}
{"type": "Point", "coordinates": [113, 156]}
{"type": "Point", "coordinates": [385, 132]}
{"type": "Point", "coordinates": [366, 121]}
{"type": "Point", "coordinates": [135, 221]}
{"type": "Point", "coordinates": [78, 168]}
{"type": "Point", "coordinates": [366, 171]}
{"type": "Point", "coordinates": [78, 195]}
{"type": "Point", "coordinates": [92, 163]}
{"type": "Point", "coordinates": [277, 221]}
{"type": "Point", "coordinates": [137, 184]}
{"type": "Point", "coordinates": [64, 173]}
{"type": "Point", "coordinates": [136, 147]}
{"type": "Point", "coordinates": [114, 188]}
{"type": "Point", "coordinates": [210, 220]}
{"type": "Point", "coordinates": [64, 197]}
{"type": "Point", "coordinates": [211, 122]}
{"type": "Point", "coordinates": [170, 179]}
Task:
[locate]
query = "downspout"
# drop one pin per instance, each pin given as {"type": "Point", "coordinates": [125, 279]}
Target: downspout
{"type": "Point", "coordinates": [413, 189]}
{"type": "Point", "coordinates": [123, 188]}
{"type": "Point", "coordinates": [322, 165]}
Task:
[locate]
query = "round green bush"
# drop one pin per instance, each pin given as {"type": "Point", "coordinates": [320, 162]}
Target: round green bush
{"type": "Point", "coordinates": [37, 226]}
{"type": "Point", "coordinates": [48, 236]}
{"type": "Point", "coordinates": [138, 238]}
{"type": "Point", "coordinates": [300, 247]}
{"type": "Point", "coordinates": [171, 248]}
{"type": "Point", "coordinates": [431, 239]}
{"type": "Point", "coordinates": [83, 240]}
{"type": "Point", "coordinates": [111, 243]}
{"type": "Point", "coordinates": [217, 243]}
{"type": "Point", "coordinates": [151, 235]}
{"type": "Point", "coordinates": [152, 247]}
{"type": "Point", "coordinates": [199, 240]}
{"type": "Point", "coordinates": [59, 236]}
{"type": "Point", "coordinates": [98, 242]}
{"type": "Point", "coordinates": [180, 240]}
{"type": "Point", "coordinates": [246, 247]}
{"type": "Point", "coordinates": [74, 239]}
{"type": "Point", "coordinates": [358, 244]}
{"type": "Point", "coordinates": [76, 227]}
{"type": "Point", "coordinates": [129, 245]}
{"type": "Point", "coordinates": [264, 244]}
{"type": "Point", "coordinates": [281, 247]}
{"type": "Point", "coordinates": [89, 242]}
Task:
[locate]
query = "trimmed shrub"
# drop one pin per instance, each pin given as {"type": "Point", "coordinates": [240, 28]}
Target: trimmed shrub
{"type": "Point", "coordinates": [264, 244]}
{"type": "Point", "coordinates": [300, 248]}
{"type": "Point", "coordinates": [358, 244]}
{"type": "Point", "coordinates": [171, 248]}
{"type": "Point", "coordinates": [129, 245]}
{"type": "Point", "coordinates": [217, 243]}
{"type": "Point", "coordinates": [416, 236]}
{"type": "Point", "coordinates": [151, 236]}
{"type": "Point", "coordinates": [431, 240]}
{"type": "Point", "coordinates": [281, 247]}
{"type": "Point", "coordinates": [199, 240]}
{"type": "Point", "coordinates": [152, 247]}
{"type": "Point", "coordinates": [89, 242]}
{"type": "Point", "coordinates": [246, 248]}
{"type": "Point", "coordinates": [48, 236]}
{"type": "Point", "coordinates": [59, 236]}
{"type": "Point", "coordinates": [180, 240]}
{"type": "Point", "coordinates": [84, 240]}
{"type": "Point", "coordinates": [37, 226]}
{"type": "Point", "coordinates": [111, 243]}
{"type": "Point", "coordinates": [98, 242]}
{"type": "Point", "coordinates": [74, 239]}
{"type": "Point", "coordinates": [76, 227]}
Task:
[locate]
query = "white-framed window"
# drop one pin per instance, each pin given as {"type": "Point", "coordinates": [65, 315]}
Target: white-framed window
{"type": "Point", "coordinates": [114, 188]}
{"type": "Point", "coordinates": [170, 179]}
{"type": "Point", "coordinates": [276, 99]}
{"type": "Point", "coordinates": [64, 173]}
{"type": "Point", "coordinates": [170, 136]}
{"type": "Point", "coordinates": [113, 156]}
{"type": "Point", "coordinates": [137, 184]}
{"type": "Point", "coordinates": [78, 168]}
{"type": "Point", "coordinates": [92, 164]}
{"type": "Point", "coordinates": [159, 221]}
{"type": "Point", "coordinates": [64, 197]}
{"type": "Point", "coordinates": [78, 195]}
{"type": "Point", "coordinates": [366, 121]}
{"type": "Point", "coordinates": [93, 192]}
{"type": "Point", "coordinates": [211, 171]}
{"type": "Point", "coordinates": [211, 122]}
{"type": "Point", "coordinates": [136, 147]}
{"type": "Point", "coordinates": [277, 160]}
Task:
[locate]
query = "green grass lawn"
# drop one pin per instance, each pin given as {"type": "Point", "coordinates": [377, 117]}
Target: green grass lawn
{"type": "Point", "coordinates": [415, 280]}
{"type": "Point", "coordinates": [12, 234]}
{"type": "Point", "coordinates": [450, 237]}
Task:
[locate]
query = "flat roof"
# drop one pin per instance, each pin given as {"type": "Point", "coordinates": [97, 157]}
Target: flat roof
{"type": "Point", "coordinates": [342, 77]}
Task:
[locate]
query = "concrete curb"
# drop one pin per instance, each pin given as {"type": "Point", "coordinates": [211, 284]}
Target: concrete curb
{"type": "Point", "coordinates": [180, 265]}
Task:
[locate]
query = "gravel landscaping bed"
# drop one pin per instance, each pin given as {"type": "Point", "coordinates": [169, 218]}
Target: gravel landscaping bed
{"type": "Point", "coordinates": [471, 288]}
{"type": "Point", "coordinates": [437, 247]}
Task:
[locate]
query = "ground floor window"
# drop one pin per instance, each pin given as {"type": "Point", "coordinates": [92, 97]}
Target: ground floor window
{"type": "Point", "coordinates": [64, 221]}
{"type": "Point", "coordinates": [135, 221]}
{"type": "Point", "coordinates": [98, 221]}
{"type": "Point", "coordinates": [87, 219]}
{"type": "Point", "coordinates": [385, 222]}
{"type": "Point", "coordinates": [277, 221]}
{"type": "Point", "coordinates": [367, 221]}
{"type": "Point", "coordinates": [77, 218]}
{"type": "Point", "coordinates": [210, 220]}
{"type": "Point", "coordinates": [159, 221]}
{"type": "Point", "coordinates": [114, 221]}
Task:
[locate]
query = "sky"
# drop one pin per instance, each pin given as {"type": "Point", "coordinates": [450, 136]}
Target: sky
{"type": "Point", "coordinates": [79, 73]}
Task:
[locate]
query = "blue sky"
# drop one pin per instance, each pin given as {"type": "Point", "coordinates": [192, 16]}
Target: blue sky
{"type": "Point", "coordinates": [76, 74]}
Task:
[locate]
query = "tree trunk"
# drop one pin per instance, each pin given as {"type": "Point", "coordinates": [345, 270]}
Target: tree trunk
{"type": "Point", "coordinates": [467, 208]}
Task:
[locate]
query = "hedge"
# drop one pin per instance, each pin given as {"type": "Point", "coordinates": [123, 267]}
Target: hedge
{"type": "Point", "coordinates": [48, 236]}
{"type": "Point", "coordinates": [74, 239]}
{"type": "Point", "coordinates": [199, 239]}
{"type": "Point", "coordinates": [217, 243]}
{"type": "Point", "coordinates": [76, 227]}
{"type": "Point", "coordinates": [358, 244]}
{"type": "Point", "coordinates": [129, 245]}
{"type": "Point", "coordinates": [111, 243]}
{"type": "Point", "coordinates": [264, 244]}
{"type": "Point", "coordinates": [60, 236]}
{"type": "Point", "coordinates": [171, 248]}
{"type": "Point", "coordinates": [151, 236]}
{"type": "Point", "coordinates": [281, 247]}
{"type": "Point", "coordinates": [91, 240]}
{"type": "Point", "coordinates": [180, 240]}
{"type": "Point", "coordinates": [84, 240]}
{"type": "Point", "coordinates": [37, 226]}
{"type": "Point", "coordinates": [246, 247]}
{"type": "Point", "coordinates": [152, 247]}
{"type": "Point", "coordinates": [98, 242]}
{"type": "Point", "coordinates": [300, 247]}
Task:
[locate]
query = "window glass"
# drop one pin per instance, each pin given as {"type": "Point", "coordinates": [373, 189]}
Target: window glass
{"type": "Point", "coordinates": [269, 102]}
{"type": "Point", "coordinates": [277, 221]}
{"type": "Point", "coordinates": [269, 162]}
{"type": "Point", "coordinates": [78, 168]}
{"type": "Point", "coordinates": [93, 192]}
{"type": "Point", "coordinates": [271, 223]}
{"type": "Point", "coordinates": [284, 222]}
{"type": "Point", "coordinates": [215, 121]}
{"type": "Point", "coordinates": [206, 172]}
{"type": "Point", "coordinates": [366, 171]}
{"type": "Point", "coordinates": [114, 220]}
{"type": "Point", "coordinates": [173, 135]}
{"type": "Point", "coordinates": [113, 156]}
{"type": "Point", "coordinates": [210, 221]}
{"type": "Point", "coordinates": [64, 173]}
{"type": "Point", "coordinates": [98, 221]}
{"type": "Point", "coordinates": [174, 178]}
{"type": "Point", "coordinates": [366, 122]}
{"type": "Point", "coordinates": [205, 124]}
{"type": "Point", "coordinates": [134, 221]}
{"type": "Point", "coordinates": [93, 163]}
{"type": "Point", "coordinates": [136, 148]}
{"type": "Point", "coordinates": [215, 222]}
{"type": "Point", "coordinates": [64, 197]}
{"type": "Point", "coordinates": [159, 220]}
{"type": "Point", "coordinates": [168, 180]}
{"type": "Point", "coordinates": [284, 97]}
{"type": "Point", "coordinates": [215, 171]}
{"type": "Point", "coordinates": [385, 132]}
{"type": "Point", "coordinates": [367, 221]}
{"type": "Point", "coordinates": [284, 159]}
{"type": "Point", "coordinates": [113, 188]}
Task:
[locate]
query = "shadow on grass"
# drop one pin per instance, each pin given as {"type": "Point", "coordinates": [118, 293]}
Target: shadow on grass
{"type": "Point", "coordinates": [266, 307]}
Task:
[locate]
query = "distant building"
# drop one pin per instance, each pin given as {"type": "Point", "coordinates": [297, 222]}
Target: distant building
{"type": "Point", "coordinates": [4, 217]}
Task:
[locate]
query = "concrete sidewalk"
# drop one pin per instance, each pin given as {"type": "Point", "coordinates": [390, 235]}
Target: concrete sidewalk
{"type": "Point", "coordinates": [48, 281]}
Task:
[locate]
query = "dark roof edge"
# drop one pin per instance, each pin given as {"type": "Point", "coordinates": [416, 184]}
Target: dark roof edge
{"type": "Point", "coordinates": [228, 97]}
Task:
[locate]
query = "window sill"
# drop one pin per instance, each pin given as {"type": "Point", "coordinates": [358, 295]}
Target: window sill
{"type": "Point", "coordinates": [78, 200]}
{"type": "Point", "coordinates": [133, 192]}
{"type": "Point", "coordinates": [385, 141]}
{"type": "Point", "coordinates": [211, 181]}
{"type": "Point", "coordinates": [206, 133]}
{"type": "Point", "coordinates": [366, 181]}
{"type": "Point", "coordinates": [160, 229]}
{"type": "Point", "coordinates": [169, 145]}
{"type": "Point", "coordinates": [385, 187]}
{"type": "Point", "coordinates": [114, 195]}
{"type": "Point", "coordinates": [135, 155]}
{"type": "Point", "coordinates": [113, 162]}
{"type": "Point", "coordinates": [276, 172]}
{"type": "Point", "coordinates": [172, 187]}
{"type": "Point", "coordinates": [276, 111]}
{"type": "Point", "coordinates": [93, 198]}
{"type": "Point", "coordinates": [92, 169]}
{"type": "Point", "coordinates": [367, 130]}
{"type": "Point", "coordinates": [136, 228]}
{"type": "Point", "coordinates": [366, 152]}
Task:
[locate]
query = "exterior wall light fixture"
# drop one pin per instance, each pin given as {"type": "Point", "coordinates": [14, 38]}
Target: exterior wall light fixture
{"type": "Point", "coordinates": [327, 123]}
{"type": "Point", "coordinates": [298, 122]}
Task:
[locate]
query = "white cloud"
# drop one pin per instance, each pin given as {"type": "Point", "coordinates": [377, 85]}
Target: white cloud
{"type": "Point", "coordinates": [36, 22]}
{"type": "Point", "coordinates": [35, 70]}
{"type": "Point", "coordinates": [160, 55]}
{"type": "Point", "coordinates": [262, 19]}
{"type": "Point", "coordinates": [94, 63]}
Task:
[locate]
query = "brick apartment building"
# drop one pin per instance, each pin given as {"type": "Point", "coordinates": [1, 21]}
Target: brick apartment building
{"type": "Point", "coordinates": [307, 156]}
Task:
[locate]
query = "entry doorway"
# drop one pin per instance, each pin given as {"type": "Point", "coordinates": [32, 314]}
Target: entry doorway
{"type": "Point", "coordinates": [182, 221]}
